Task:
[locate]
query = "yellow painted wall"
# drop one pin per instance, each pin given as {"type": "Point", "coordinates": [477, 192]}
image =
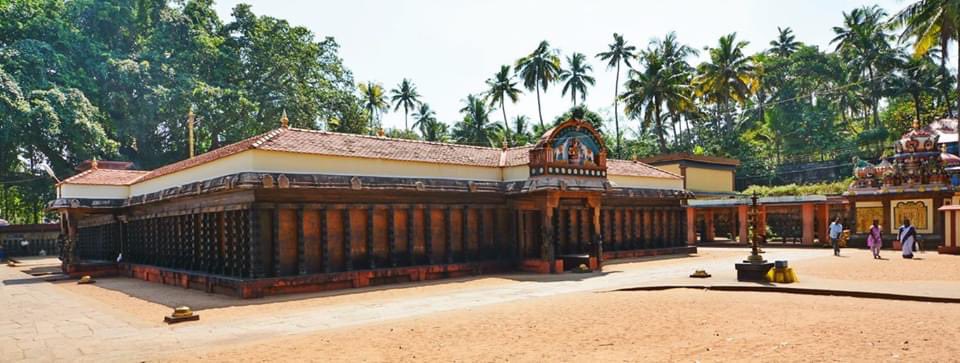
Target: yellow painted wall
{"type": "Point", "coordinates": [645, 182]}
{"type": "Point", "coordinates": [282, 162]}
{"type": "Point", "coordinates": [709, 180]}
{"type": "Point", "coordinates": [514, 173]}
{"type": "Point", "coordinates": [235, 163]}
{"type": "Point", "coordinates": [673, 168]}
{"type": "Point", "coordinates": [895, 224]}
{"type": "Point", "coordinates": [93, 191]}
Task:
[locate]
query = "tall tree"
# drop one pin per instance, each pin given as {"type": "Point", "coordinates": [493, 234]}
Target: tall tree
{"type": "Point", "coordinates": [863, 41]}
{"type": "Point", "coordinates": [785, 44]}
{"type": "Point", "coordinates": [406, 96]}
{"type": "Point", "coordinates": [501, 88]}
{"type": "Point", "coordinates": [539, 69]}
{"type": "Point", "coordinates": [423, 116]}
{"type": "Point", "coordinates": [576, 77]}
{"type": "Point", "coordinates": [476, 128]}
{"type": "Point", "coordinates": [931, 23]}
{"type": "Point", "coordinates": [727, 77]}
{"type": "Point", "coordinates": [648, 90]}
{"type": "Point", "coordinates": [374, 100]}
{"type": "Point", "coordinates": [618, 52]}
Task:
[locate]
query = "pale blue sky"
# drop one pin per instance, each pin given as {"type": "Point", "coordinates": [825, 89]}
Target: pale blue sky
{"type": "Point", "coordinates": [449, 48]}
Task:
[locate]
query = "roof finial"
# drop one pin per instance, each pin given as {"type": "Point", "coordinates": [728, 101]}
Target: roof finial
{"type": "Point", "coordinates": [916, 124]}
{"type": "Point", "coordinates": [284, 122]}
{"type": "Point", "coordinates": [505, 144]}
{"type": "Point", "coordinates": [93, 163]}
{"type": "Point", "coordinates": [380, 132]}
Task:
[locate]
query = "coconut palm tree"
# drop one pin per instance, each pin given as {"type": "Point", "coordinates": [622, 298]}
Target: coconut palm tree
{"type": "Point", "coordinates": [476, 128]}
{"type": "Point", "coordinates": [538, 69]}
{"type": "Point", "coordinates": [918, 77]}
{"type": "Point", "coordinates": [647, 91]}
{"type": "Point", "coordinates": [521, 134]}
{"type": "Point", "coordinates": [577, 77]}
{"type": "Point", "coordinates": [931, 23]}
{"type": "Point", "coordinates": [405, 95]}
{"type": "Point", "coordinates": [674, 55]}
{"type": "Point", "coordinates": [500, 88]}
{"type": "Point", "coordinates": [785, 44]}
{"type": "Point", "coordinates": [422, 117]}
{"type": "Point", "coordinates": [374, 100]}
{"type": "Point", "coordinates": [618, 52]}
{"type": "Point", "coordinates": [436, 131]}
{"type": "Point", "coordinates": [863, 42]}
{"type": "Point", "coordinates": [727, 76]}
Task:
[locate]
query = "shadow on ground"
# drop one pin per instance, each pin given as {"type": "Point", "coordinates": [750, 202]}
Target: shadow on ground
{"type": "Point", "coordinates": [172, 296]}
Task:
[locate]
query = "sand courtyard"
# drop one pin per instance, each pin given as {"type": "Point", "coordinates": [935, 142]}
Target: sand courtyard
{"type": "Point", "coordinates": [510, 317]}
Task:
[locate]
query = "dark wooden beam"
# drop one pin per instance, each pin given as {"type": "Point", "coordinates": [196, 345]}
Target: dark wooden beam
{"type": "Point", "coordinates": [347, 249]}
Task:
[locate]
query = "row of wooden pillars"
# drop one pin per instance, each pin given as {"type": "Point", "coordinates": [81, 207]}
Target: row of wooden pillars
{"type": "Point", "coordinates": [815, 219]}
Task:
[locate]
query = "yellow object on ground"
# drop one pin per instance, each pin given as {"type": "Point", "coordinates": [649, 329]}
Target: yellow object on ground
{"type": "Point", "coordinates": [784, 275]}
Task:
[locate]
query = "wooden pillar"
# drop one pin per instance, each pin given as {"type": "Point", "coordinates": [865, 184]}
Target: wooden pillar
{"type": "Point", "coordinates": [411, 241]}
{"type": "Point", "coordinates": [392, 236]}
{"type": "Point", "coordinates": [647, 228]}
{"type": "Point", "coordinates": [691, 226]}
{"type": "Point", "coordinates": [325, 242]}
{"type": "Point", "coordinates": [301, 248]}
{"type": "Point", "coordinates": [464, 235]}
{"type": "Point", "coordinates": [806, 212]}
{"type": "Point", "coordinates": [547, 249]}
{"type": "Point", "coordinates": [428, 234]}
{"type": "Point", "coordinates": [347, 245]}
{"type": "Point", "coordinates": [743, 224]}
{"type": "Point", "coordinates": [823, 221]}
{"type": "Point", "coordinates": [761, 222]}
{"type": "Point", "coordinates": [709, 234]}
{"type": "Point", "coordinates": [596, 235]}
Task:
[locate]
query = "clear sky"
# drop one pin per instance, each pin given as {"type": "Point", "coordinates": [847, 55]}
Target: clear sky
{"type": "Point", "coordinates": [449, 48]}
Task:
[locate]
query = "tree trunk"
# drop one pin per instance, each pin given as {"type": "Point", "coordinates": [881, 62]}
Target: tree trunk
{"type": "Point", "coordinates": [405, 126]}
{"type": "Point", "coordinates": [539, 110]}
{"type": "Point", "coordinates": [660, 131]}
{"type": "Point", "coordinates": [616, 110]}
{"type": "Point", "coordinates": [944, 42]}
{"type": "Point", "coordinates": [505, 124]}
{"type": "Point", "coordinates": [917, 107]}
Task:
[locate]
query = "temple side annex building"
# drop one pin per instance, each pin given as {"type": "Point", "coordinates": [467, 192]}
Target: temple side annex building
{"type": "Point", "coordinates": [297, 210]}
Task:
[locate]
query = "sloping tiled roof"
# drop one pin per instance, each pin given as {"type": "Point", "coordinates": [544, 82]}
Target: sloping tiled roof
{"type": "Point", "coordinates": [350, 145]}
{"type": "Point", "coordinates": [106, 177]}
{"type": "Point", "coordinates": [636, 168]}
{"type": "Point", "coordinates": [667, 158]}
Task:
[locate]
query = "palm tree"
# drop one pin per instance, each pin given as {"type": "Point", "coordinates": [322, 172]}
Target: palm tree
{"type": "Point", "coordinates": [918, 77]}
{"type": "Point", "coordinates": [932, 22]}
{"type": "Point", "coordinates": [674, 55]}
{"type": "Point", "coordinates": [476, 128]}
{"type": "Point", "coordinates": [577, 77]}
{"type": "Point", "coordinates": [727, 76]}
{"type": "Point", "coordinates": [538, 70]}
{"type": "Point", "coordinates": [647, 91]}
{"type": "Point", "coordinates": [864, 43]}
{"type": "Point", "coordinates": [500, 88]}
{"type": "Point", "coordinates": [435, 131]}
{"type": "Point", "coordinates": [521, 134]}
{"type": "Point", "coordinates": [785, 44]}
{"type": "Point", "coordinates": [618, 52]}
{"type": "Point", "coordinates": [374, 101]}
{"type": "Point", "coordinates": [405, 95]}
{"type": "Point", "coordinates": [422, 117]}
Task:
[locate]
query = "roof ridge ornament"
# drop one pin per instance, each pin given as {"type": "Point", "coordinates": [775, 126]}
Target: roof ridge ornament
{"type": "Point", "coordinates": [93, 164]}
{"type": "Point", "coordinates": [284, 121]}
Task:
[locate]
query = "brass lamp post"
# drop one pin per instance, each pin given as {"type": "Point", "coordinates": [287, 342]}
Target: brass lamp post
{"type": "Point", "coordinates": [754, 268]}
{"type": "Point", "coordinates": [755, 256]}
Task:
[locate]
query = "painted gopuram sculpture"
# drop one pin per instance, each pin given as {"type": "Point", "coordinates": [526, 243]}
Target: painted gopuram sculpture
{"type": "Point", "coordinates": [911, 184]}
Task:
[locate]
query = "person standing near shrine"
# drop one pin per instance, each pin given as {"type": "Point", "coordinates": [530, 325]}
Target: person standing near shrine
{"type": "Point", "coordinates": [907, 238]}
{"type": "Point", "coordinates": [836, 228]}
{"type": "Point", "coordinates": [875, 239]}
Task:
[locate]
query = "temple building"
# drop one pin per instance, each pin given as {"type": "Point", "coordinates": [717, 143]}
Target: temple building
{"type": "Point", "coordinates": [297, 210]}
{"type": "Point", "coordinates": [912, 184]}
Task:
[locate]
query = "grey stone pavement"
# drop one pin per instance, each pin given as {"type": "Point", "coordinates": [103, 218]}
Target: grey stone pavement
{"type": "Point", "coordinates": [42, 322]}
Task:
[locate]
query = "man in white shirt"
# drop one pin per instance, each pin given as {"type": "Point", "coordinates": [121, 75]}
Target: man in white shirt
{"type": "Point", "coordinates": [835, 230]}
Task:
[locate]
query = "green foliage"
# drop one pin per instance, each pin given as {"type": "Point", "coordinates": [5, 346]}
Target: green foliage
{"type": "Point", "coordinates": [834, 188]}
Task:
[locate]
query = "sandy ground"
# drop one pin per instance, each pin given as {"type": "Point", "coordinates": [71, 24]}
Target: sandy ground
{"type": "Point", "coordinates": [858, 264]}
{"type": "Point", "coordinates": [147, 301]}
{"type": "Point", "coordinates": [673, 325]}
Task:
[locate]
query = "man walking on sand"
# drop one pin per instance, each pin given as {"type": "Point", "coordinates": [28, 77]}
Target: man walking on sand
{"type": "Point", "coordinates": [835, 230]}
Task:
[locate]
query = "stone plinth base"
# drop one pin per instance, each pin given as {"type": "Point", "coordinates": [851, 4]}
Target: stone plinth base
{"type": "Point", "coordinates": [754, 272]}
{"type": "Point", "coordinates": [613, 255]}
{"type": "Point", "coordinates": [92, 269]}
{"type": "Point", "coordinates": [170, 319]}
{"type": "Point", "coordinates": [948, 250]}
